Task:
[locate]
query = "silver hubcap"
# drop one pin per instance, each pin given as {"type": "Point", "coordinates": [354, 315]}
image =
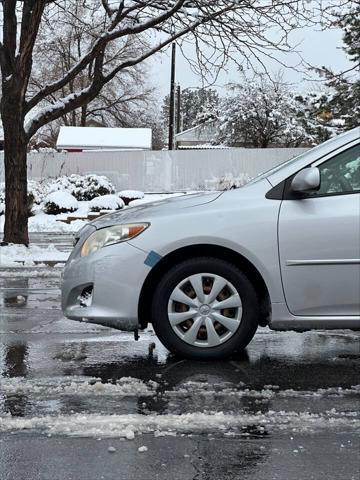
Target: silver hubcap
{"type": "Point", "coordinates": [205, 310]}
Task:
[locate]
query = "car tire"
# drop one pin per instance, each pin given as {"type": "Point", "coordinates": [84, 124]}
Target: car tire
{"type": "Point", "coordinates": [201, 335]}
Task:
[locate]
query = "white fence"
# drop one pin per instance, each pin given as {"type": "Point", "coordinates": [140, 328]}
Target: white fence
{"type": "Point", "coordinates": [157, 171]}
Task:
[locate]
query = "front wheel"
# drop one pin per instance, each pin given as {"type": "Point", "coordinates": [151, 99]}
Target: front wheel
{"type": "Point", "coordinates": [205, 308]}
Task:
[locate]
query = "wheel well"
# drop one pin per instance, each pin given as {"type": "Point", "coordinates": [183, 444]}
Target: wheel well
{"type": "Point", "coordinates": [192, 251]}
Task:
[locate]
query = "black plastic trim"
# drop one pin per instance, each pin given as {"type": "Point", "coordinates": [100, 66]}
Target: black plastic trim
{"type": "Point", "coordinates": [277, 192]}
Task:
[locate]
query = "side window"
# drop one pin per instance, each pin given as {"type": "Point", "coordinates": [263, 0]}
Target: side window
{"type": "Point", "coordinates": [340, 174]}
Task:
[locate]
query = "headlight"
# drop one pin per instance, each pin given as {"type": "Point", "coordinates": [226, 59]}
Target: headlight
{"type": "Point", "coordinates": [110, 235]}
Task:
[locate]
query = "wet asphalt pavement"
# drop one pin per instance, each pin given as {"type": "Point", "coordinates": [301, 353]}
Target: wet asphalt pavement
{"type": "Point", "coordinates": [287, 408]}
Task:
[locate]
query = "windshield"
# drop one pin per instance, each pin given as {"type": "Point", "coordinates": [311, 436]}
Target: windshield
{"type": "Point", "coordinates": [279, 167]}
{"type": "Point", "coordinates": [275, 169]}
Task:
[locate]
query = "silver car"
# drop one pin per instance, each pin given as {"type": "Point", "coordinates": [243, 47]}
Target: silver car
{"type": "Point", "coordinates": [207, 269]}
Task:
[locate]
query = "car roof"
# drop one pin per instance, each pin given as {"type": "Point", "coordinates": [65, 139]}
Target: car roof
{"type": "Point", "coordinates": [286, 169]}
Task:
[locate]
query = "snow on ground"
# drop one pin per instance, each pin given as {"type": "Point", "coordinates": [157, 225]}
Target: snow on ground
{"type": "Point", "coordinates": [125, 426]}
{"type": "Point", "coordinates": [11, 255]}
{"type": "Point", "coordinates": [30, 271]}
{"type": "Point", "coordinates": [268, 392]}
{"type": "Point", "coordinates": [42, 222]}
{"type": "Point", "coordinates": [124, 387]}
{"type": "Point", "coordinates": [134, 387]}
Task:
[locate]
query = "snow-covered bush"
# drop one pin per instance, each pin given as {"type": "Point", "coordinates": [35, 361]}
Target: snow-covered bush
{"type": "Point", "coordinates": [37, 191]}
{"type": "Point", "coordinates": [106, 202]}
{"type": "Point", "coordinates": [129, 195]}
{"type": "Point", "coordinates": [2, 207]}
{"type": "Point", "coordinates": [60, 202]}
{"type": "Point", "coordinates": [83, 187]}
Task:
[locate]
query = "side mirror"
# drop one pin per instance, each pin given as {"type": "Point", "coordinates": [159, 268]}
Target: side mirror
{"type": "Point", "coordinates": [306, 180]}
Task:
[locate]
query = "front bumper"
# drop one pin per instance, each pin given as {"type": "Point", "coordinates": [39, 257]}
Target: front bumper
{"type": "Point", "coordinates": [112, 279]}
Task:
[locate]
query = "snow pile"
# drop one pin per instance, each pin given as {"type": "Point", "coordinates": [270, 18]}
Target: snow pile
{"type": "Point", "coordinates": [106, 202]}
{"type": "Point", "coordinates": [129, 195]}
{"type": "Point", "coordinates": [220, 390]}
{"type": "Point", "coordinates": [82, 386]}
{"type": "Point", "coordinates": [11, 255]}
{"type": "Point", "coordinates": [125, 426]}
{"type": "Point", "coordinates": [41, 222]}
{"type": "Point", "coordinates": [60, 202]}
{"type": "Point", "coordinates": [41, 272]}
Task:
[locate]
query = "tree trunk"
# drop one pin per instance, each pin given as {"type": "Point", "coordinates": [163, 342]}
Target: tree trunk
{"type": "Point", "coordinates": [83, 115]}
{"type": "Point", "coordinates": [15, 153]}
{"type": "Point", "coordinates": [264, 142]}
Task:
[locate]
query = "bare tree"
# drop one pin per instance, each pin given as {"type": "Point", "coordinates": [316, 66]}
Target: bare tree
{"type": "Point", "coordinates": [61, 44]}
{"type": "Point", "coordinates": [239, 29]}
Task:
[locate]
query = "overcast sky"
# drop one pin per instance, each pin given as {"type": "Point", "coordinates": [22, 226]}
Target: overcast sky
{"type": "Point", "coordinates": [317, 48]}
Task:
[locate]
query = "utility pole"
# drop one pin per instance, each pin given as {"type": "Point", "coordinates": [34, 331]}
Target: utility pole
{"type": "Point", "coordinates": [172, 99]}
{"type": "Point", "coordinates": [178, 109]}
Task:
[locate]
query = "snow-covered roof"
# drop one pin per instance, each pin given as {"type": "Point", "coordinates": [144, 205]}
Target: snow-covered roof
{"type": "Point", "coordinates": [98, 138]}
{"type": "Point", "coordinates": [204, 146]}
{"type": "Point", "coordinates": [204, 132]}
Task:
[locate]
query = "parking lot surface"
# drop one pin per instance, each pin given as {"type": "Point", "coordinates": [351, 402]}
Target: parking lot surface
{"type": "Point", "coordinates": [78, 401]}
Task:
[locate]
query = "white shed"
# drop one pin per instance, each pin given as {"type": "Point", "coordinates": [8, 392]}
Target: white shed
{"type": "Point", "coordinates": [78, 139]}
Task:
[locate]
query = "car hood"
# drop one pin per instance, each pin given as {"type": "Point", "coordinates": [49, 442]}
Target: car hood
{"type": "Point", "coordinates": [147, 211]}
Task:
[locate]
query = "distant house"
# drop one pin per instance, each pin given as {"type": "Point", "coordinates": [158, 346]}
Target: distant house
{"type": "Point", "coordinates": [78, 139]}
{"type": "Point", "coordinates": [200, 137]}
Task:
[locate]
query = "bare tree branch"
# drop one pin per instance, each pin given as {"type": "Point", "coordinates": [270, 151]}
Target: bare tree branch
{"type": "Point", "coordinates": [30, 22]}
{"type": "Point", "coordinates": [74, 101]}
{"type": "Point", "coordinates": [109, 36]}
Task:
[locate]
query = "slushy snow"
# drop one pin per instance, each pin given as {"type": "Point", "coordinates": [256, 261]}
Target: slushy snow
{"type": "Point", "coordinates": [82, 386]}
{"type": "Point", "coordinates": [95, 425]}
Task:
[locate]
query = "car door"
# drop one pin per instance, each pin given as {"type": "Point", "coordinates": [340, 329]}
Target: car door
{"type": "Point", "coordinates": [319, 241]}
